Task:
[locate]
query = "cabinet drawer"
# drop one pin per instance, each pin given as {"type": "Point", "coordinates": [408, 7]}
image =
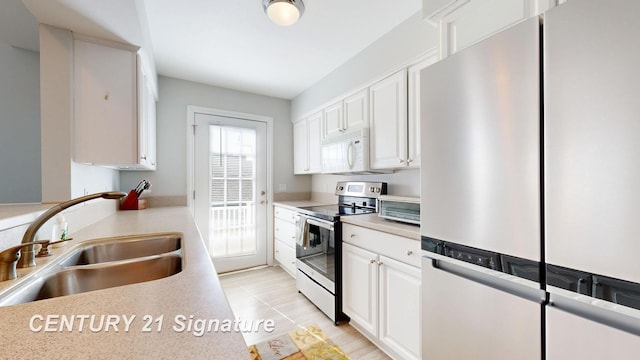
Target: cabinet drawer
{"type": "Point", "coordinates": [393, 246]}
{"type": "Point", "coordinates": [286, 256]}
{"type": "Point", "coordinates": [285, 231]}
{"type": "Point", "coordinates": [285, 214]}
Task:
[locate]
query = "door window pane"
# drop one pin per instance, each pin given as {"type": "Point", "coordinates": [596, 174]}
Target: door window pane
{"type": "Point", "coordinates": [233, 191]}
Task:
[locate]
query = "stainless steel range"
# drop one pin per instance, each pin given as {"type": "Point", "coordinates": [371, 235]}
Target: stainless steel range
{"type": "Point", "coordinates": [319, 244]}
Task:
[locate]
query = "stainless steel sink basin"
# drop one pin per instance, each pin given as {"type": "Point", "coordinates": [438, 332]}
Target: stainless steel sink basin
{"type": "Point", "coordinates": [88, 278]}
{"type": "Point", "coordinates": [79, 279]}
{"type": "Point", "coordinates": [125, 247]}
{"type": "Point", "coordinates": [102, 264]}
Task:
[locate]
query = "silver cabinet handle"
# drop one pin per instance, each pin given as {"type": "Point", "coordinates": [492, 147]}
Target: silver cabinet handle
{"type": "Point", "coordinates": [380, 263]}
{"type": "Point", "coordinates": [409, 252]}
{"type": "Point", "coordinates": [409, 161]}
{"type": "Point", "coordinates": [372, 261]}
{"type": "Point", "coordinates": [352, 236]}
{"type": "Point", "coordinates": [401, 161]}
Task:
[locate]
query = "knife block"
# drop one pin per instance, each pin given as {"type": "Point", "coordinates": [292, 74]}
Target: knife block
{"type": "Point", "coordinates": [132, 202]}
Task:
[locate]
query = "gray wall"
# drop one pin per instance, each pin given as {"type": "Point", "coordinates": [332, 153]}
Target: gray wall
{"type": "Point", "coordinates": [19, 125]}
{"type": "Point", "coordinates": [406, 42]}
{"type": "Point", "coordinates": [170, 178]}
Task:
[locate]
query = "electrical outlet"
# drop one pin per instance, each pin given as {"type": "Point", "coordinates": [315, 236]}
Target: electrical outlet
{"type": "Point", "coordinates": [282, 187]}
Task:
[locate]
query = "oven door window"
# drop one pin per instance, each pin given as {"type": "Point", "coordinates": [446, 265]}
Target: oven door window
{"type": "Point", "coordinates": [319, 251]}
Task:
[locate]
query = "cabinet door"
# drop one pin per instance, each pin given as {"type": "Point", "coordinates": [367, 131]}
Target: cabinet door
{"type": "Point", "coordinates": [476, 20]}
{"type": "Point", "coordinates": [146, 122]}
{"type": "Point", "coordinates": [356, 110]}
{"type": "Point", "coordinates": [105, 104]}
{"type": "Point", "coordinates": [286, 256]}
{"type": "Point", "coordinates": [388, 128]}
{"type": "Point", "coordinates": [314, 128]}
{"type": "Point", "coordinates": [360, 287]}
{"type": "Point", "coordinates": [300, 147]}
{"type": "Point", "coordinates": [333, 124]}
{"type": "Point", "coordinates": [413, 118]}
{"type": "Point", "coordinates": [400, 307]}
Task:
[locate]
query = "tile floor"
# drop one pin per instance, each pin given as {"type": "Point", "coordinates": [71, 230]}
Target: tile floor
{"type": "Point", "coordinates": [270, 293]}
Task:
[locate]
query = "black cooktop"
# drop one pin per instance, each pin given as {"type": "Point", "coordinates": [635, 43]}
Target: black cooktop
{"type": "Point", "coordinates": [333, 212]}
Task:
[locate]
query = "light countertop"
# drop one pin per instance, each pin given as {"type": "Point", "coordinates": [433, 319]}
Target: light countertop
{"type": "Point", "coordinates": [374, 222]}
{"type": "Point", "coordinates": [193, 293]}
{"type": "Point", "coordinates": [298, 203]}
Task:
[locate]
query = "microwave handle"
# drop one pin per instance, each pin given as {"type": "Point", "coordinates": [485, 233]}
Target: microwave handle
{"type": "Point", "coordinates": [350, 155]}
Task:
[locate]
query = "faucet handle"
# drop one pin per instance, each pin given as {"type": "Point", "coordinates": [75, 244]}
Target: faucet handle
{"type": "Point", "coordinates": [44, 250]}
{"type": "Point", "coordinates": [28, 255]}
{"type": "Point", "coordinates": [9, 259]}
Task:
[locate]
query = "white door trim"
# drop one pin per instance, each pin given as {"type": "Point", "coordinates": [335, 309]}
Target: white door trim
{"type": "Point", "coordinates": [191, 112]}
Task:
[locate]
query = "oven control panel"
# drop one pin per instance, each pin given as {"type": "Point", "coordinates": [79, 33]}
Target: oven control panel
{"type": "Point", "coordinates": [361, 188]}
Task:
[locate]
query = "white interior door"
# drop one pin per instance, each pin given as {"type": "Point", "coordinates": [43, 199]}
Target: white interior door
{"type": "Point", "coordinates": [230, 190]}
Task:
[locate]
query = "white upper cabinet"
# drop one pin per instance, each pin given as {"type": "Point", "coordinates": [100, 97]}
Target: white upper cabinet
{"type": "Point", "coordinates": [413, 119]}
{"type": "Point", "coordinates": [388, 122]}
{"type": "Point", "coordinates": [333, 121]}
{"type": "Point", "coordinates": [356, 110]}
{"type": "Point", "coordinates": [465, 22]}
{"type": "Point", "coordinates": [114, 109]}
{"type": "Point", "coordinates": [307, 142]}
{"type": "Point", "coordinates": [146, 122]}
{"type": "Point", "coordinates": [350, 113]}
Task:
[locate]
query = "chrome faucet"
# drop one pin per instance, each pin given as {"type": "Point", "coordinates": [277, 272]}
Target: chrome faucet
{"type": "Point", "coordinates": [28, 240]}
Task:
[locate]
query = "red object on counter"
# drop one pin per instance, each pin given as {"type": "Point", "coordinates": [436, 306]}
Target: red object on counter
{"type": "Point", "coordinates": [132, 202]}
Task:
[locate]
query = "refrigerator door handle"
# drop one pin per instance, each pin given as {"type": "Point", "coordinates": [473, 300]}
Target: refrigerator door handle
{"type": "Point", "coordinates": [511, 284]}
{"type": "Point", "coordinates": [600, 311]}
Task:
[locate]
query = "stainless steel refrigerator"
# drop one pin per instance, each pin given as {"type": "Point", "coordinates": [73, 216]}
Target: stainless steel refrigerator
{"type": "Point", "coordinates": [530, 143]}
{"type": "Point", "coordinates": [592, 179]}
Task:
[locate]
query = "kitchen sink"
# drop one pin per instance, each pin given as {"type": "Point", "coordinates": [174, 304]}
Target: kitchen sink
{"type": "Point", "coordinates": [125, 247]}
{"type": "Point", "coordinates": [102, 264]}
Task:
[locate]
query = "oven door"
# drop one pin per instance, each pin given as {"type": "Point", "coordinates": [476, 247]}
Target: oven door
{"type": "Point", "coordinates": [316, 247]}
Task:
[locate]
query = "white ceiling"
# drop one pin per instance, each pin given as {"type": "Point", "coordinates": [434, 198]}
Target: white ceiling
{"type": "Point", "coordinates": [231, 43]}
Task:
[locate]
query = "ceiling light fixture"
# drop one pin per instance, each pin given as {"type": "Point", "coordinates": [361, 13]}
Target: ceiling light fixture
{"type": "Point", "coordinates": [283, 12]}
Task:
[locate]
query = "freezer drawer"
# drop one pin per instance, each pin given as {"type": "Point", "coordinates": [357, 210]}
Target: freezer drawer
{"type": "Point", "coordinates": [465, 319]}
{"type": "Point", "coordinates": [573, 337]}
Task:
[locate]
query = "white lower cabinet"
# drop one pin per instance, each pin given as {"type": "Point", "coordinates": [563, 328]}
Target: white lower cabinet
{"type": "Point", "coordinates": [286, 256]}
{"type": "Point", "coordinates": [285, 227]}
{"type": "Point", "coordinates": [382, 295]}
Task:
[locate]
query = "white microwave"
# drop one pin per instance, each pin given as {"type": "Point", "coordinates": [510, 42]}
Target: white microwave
{"type": "Point", "coordinates": [399, 208]}
{"type": "Point", "coordinates": [347, 154]}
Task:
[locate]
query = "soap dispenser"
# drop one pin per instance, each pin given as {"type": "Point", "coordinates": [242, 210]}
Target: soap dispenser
{"type": "Point", "coordinates": [60, 231]}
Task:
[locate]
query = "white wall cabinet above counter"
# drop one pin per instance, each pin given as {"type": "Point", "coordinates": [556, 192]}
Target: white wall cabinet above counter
{"type": "Point", "coordinates": [395, 118]}
{"type": "Point", "coordinates": [463, 23]}
{"type": "Point", "coordinates": [307, 143]}
{"type": "Point", "coordinates": [114, 106]}
{"type": "Point", "coordinates": [349, 114]}
{"type": "Point", "coordinates": [389, 108]}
